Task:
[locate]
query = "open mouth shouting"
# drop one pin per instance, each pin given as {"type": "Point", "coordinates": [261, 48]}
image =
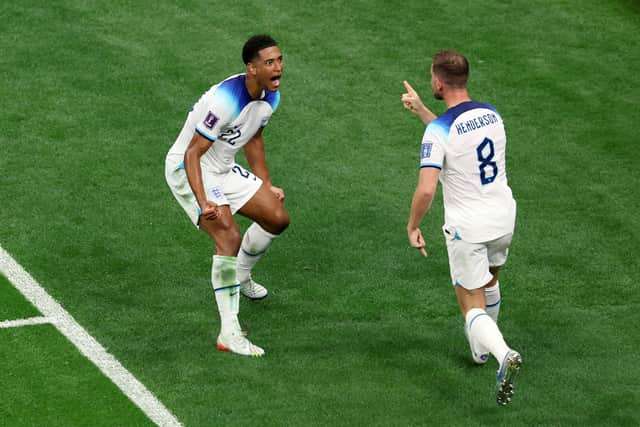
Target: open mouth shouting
{"type": "Point", "coordinates": [275, 81]}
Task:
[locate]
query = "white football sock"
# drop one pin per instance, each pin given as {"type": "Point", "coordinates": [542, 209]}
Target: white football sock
{"type": "Point", "coordinates": [484, 332]}
{"type": "Point", "coordinates": [255, 242]}
{"type": "Point", "coordinates": [227, 290]}
{"type": "Point", "coordinates": [492, 298]}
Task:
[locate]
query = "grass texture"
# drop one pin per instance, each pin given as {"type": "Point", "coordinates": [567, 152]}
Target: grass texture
{"type": "Point", "coordinates": [358, 328]}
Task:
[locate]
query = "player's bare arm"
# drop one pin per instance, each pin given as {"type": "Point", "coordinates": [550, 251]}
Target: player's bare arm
{"type": "Point", "coordinates": [254, 152]}
{"type": "Point", "coordinates": [197, 147]}
{"type": "Point", "coordinates": [412, 102]}
{"type": "Point", "coordinates": [420, 205]}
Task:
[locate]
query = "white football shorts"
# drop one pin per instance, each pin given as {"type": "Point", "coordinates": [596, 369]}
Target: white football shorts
{"type": "Point", "coordinates": [469, 262]}
{"type": "Point", "coordinates": [234, 188]}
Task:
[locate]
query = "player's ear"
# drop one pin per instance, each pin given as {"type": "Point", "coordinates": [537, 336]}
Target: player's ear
{"type": "Point", "coordinates": [251, 69]}
{"type": "Point", "coordinates": [439, 83]}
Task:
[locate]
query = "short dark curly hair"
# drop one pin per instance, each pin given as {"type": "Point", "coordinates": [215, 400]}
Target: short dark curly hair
{"type": "Point", "coordinates": [254, 45]}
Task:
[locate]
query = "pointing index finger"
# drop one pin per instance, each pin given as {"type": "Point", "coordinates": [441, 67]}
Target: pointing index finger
{"type": "Point", "coordinates": [408, 86]}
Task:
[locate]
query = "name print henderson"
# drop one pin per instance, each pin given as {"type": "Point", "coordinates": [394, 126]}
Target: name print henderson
{"type": "Point", "coordinates": [477, 123]}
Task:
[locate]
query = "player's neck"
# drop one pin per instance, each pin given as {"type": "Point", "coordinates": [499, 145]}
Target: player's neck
{"type": "Point", "coordinates": [454, 97]}
{"type": "Point", "coordinates": [253, 87]}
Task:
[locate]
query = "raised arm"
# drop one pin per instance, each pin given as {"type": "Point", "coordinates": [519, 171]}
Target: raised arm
{"type": "Point", "coordinates": [412, 102]}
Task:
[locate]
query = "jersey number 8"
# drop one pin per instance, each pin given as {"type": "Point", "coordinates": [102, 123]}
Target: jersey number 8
{"type": "Point", "coordinates": [486, 162]}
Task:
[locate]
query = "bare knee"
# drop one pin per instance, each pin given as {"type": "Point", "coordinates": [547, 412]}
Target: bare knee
{"type": "Point", "coordinates": [470, 298]}
{"type": "Point", "coordinates": [283, 220]}
{"type": "Point", "coordinates": [278, 222]}
{"type": "Point", "coordinates": [225, 233]}
{"type": "Point", "coordinates": [227, 241]}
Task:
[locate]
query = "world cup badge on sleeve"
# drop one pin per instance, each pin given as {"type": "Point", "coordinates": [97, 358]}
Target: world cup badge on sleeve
{"type": "Point", "coordinates": [211, 120]}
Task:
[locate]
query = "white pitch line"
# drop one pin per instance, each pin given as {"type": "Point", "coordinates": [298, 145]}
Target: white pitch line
{"type": "Point", "coordinates": [67, 325]}
{"type": "Point", "coordinates": [24, 322]}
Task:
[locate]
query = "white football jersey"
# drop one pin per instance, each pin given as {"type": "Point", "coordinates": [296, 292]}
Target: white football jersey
{"type": "Point", "coordinates": [227, 116]}
{"type": "Point", "coordinates": [468, 144]}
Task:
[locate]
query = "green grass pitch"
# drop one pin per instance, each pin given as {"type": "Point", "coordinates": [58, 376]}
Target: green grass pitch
{"type": "Point", "coordinates": [358, 329]}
